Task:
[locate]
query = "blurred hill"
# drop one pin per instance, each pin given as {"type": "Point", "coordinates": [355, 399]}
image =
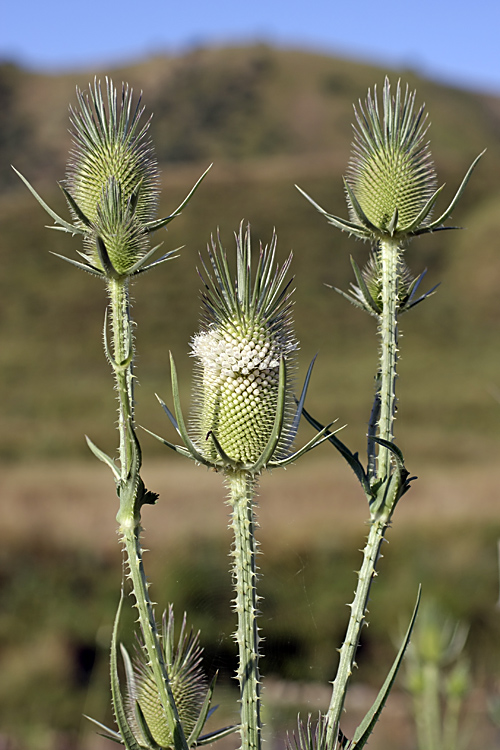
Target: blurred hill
{"type": "Point", "coordinates": [267, 119]}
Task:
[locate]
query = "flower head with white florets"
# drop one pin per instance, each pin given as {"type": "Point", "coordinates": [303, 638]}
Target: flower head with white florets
{"type": "Point", "coordinates": [244, 415]}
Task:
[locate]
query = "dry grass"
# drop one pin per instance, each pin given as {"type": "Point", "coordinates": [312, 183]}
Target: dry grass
{"type": "Point", "coordinates": [74, 504]}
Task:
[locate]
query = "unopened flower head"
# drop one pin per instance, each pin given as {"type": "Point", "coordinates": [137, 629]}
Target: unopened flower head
{"type": "Point", "coordinates": [391, 181]}
{"type": "Point", "coordinates": [246, 339]}
{"type": "Point", "coordinates": [187, 680]}
{"type": "Point", "coordinates": [391, 175]}
{"type": "Point", "coordinates": [112, 179]}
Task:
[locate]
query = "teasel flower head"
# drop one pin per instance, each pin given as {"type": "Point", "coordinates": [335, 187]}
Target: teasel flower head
{"type": "Point", "coordinates": [391, 181]}
{"type": "Point", "coordinates": [140, 714]}
{"type": "Point", "coordinates": [245, 416]}
{"type": "Point", "coordinates": [112, 184]}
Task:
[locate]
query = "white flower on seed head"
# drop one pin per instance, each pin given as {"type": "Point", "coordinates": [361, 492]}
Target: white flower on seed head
{"type": "Point", "coordinates": [247, 333]}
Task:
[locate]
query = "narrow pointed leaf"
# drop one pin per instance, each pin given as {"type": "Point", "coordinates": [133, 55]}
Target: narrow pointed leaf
{"type": "Point", "coordinates": [126, 733]}
{"type": "Point", "coordinates": [144, 259]}
{"type": "Point", "coordinates": [66, 225]}
{"type": "Point", "coordinates": [102, 252]}
{"type": "Point", "coordinates": [169, 414]}
{"type": "Point", "coordinates": [300, 405]}
{"type": "Point", "coordinates": [363, 288]}
{"type": "Point", "coordinates": [321, 437]}
{"type": "Point", "coordinates": [82, 266]}
{"type": "Point", "coordinates": [171, 255]}
{"type": "Point", "coordinates": [98, 453]}
{"type": "Point", "coordinates": [273, 441]}
{"type": "Point", "coordinates": [351, 458]}
{"type": "Point", "coordinates": [202, 716]}
{"type": "Point", "coordinates": [207, 739]}
{"type": "Point", "coordinates": [152, 226]}
{"type": "Point", "coordinates": [180, 419]}
{"type": "Point", "coordinates": [393, 222]}
{"type": "Point", "coordinates": [365, 729]}
{"type": "Point", "coordinates": [359, 211]}
{"type": "Point", "coordinates": [424, 213]}
{"type": "Point", "coordinates": [227, 460]}
{"type": "Point", "coordinates": [343, 224]}
{"type": "Point", "coordinates": [177, 448]}
{"type": "Point", "coordinates": [110, 733]}
{"type": "Point", "coordinates": [457, 197]}
{"type": "Point", "coordinates": [76, 208]}
{"type": "Point", "coordinates": [146, 731]}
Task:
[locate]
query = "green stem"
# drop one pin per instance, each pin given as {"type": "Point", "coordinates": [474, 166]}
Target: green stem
{"type": "Point", "coordinates": [129, 489]}
{"type": "Point", "coordinates": [122, 352]}
{"type": "Point", "coordinates": [242, 490]}
{"type": "Point", "coordinates": [385, 400]}
{"type": "Point", "coordinates": [347, 658]}
{"type": "Point", "coordinates": [388, 329]}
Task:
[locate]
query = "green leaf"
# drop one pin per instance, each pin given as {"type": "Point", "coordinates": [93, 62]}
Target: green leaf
{"type": "Point", "coordinates": [146, 731]}
{"type": "Point", "coordinates": [458, 195]}
{"type": "Point", "coordinates": [273, 441]}
{"type": "Point", "coordinates": [351, 458]}
{"type": "Point", "coordinates": [202, 717]}
{"type": "Point", "coordinates": [66, 226]}
{"type": "Point", "coordinates": [98, 453]}
{"type": "Point", "coordinates": [180, 419]}
{"type": "Point", "coordinates": [364, 289]}
{"type": "Point", "coordinates": [126, 733]}
{"type": "Point", "coordinates": [152, 226]}
{"type": "Point", "coordinates": [365, 729]}
{"type": "Point", "coordinates": [82, 266]}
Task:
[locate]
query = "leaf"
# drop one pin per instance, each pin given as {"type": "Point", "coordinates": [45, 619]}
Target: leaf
{"type": "Point", "coordinates": [98, 453]}
{"type": "Point", "coordinates": [365, 729]}
{"type": "Point", "coordinates": [126, 733]}
{"type": "Point", "coordinates": [351, 458]}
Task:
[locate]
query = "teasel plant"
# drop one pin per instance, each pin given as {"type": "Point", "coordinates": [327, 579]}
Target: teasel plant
{"type": "Point", "coordinates": [112, 191]}
{"type": "Point", "coordinates": [244, 418]}
{"type": "Point", "coordinates": [391, 194]}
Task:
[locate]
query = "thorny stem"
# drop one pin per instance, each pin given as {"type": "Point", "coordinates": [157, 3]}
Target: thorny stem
{"type": "Point", "coordinates": [385, 400]}
{"type": "Point", "coordinates": [242, 490]}
{"type": "Point", "coordinates": [129, 488]}
{"type": "Point", "coordinates": [367, 573]}
{"type": "Point", "coordinates": [123, 348]}
{"type": "Point", "coordinates": [388, 329]}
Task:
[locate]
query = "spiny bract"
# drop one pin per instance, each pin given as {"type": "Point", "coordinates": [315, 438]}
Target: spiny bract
{"type": "Point", "coordinates": [246, 335]}
{"type": "Point", "coordinates": [112, 177]}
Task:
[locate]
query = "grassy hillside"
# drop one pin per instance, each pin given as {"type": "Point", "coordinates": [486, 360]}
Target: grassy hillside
{"type": "Point", "coordinates": [268, 119]}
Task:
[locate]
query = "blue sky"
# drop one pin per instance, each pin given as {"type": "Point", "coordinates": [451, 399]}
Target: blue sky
{"type": "Point", "coordinates": [434, 38]}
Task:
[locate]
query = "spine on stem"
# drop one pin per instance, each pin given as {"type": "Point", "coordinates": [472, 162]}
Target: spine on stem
{"type": "Point", "coordinates": [242, 489]}
{"type": "Point", "coordinates": [388, 330]}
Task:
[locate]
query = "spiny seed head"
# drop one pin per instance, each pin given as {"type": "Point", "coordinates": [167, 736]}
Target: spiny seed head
{"type": "Point", "coordinates": [112, 177]}
{"type": "Point", "coordinates": [188, 683]}
{"type": "Point", "coordinates": [246, 334]}
{"type": "Point", "coordinates": [310, 735]}
{"type": "Point", "coordinates": [391, 174]}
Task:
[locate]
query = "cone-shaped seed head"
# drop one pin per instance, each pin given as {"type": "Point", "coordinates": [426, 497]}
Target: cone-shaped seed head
{"type": "Point", "coordinates": [391, 167]}
{"type": "Point", "coordinates": [187, 680]}
{"type": "Point", "coordinates": [112, 176]}
{"type": "Point", "coordinates": [246, 333]}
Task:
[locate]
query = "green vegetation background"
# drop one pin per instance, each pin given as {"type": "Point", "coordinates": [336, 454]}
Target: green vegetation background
{"type": "Point", "coordinates": [267, 119]}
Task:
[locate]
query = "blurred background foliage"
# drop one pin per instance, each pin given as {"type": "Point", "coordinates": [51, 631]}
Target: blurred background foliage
{"type": "Point", "coordinates": [267, 119]}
